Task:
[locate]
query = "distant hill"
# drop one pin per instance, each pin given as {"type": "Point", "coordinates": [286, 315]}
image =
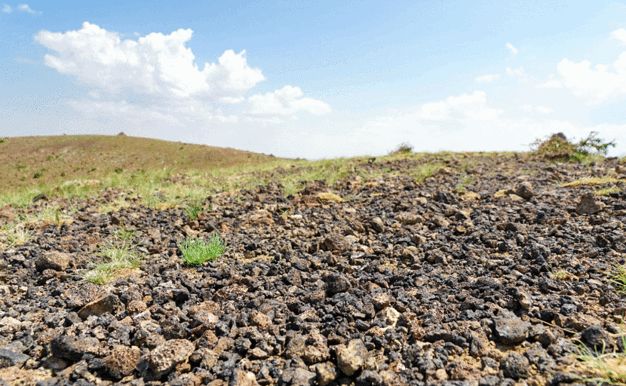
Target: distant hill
{"type": "Point", "coordinates": [35, 161]}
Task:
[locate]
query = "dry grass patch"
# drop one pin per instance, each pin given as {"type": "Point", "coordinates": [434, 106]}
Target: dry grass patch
{"type": "Point", "coordinates": [592, 181]}
{"type": "Point", "coordinates": [601, 367]}
{"type": "Point", "coordinates": [329, 197]}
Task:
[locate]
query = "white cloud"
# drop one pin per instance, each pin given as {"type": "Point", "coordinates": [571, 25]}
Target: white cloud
{"type": "Point", "coordinates": [487, 78]}
{"type": "Point", "coordinates": [518, 72]}
{"type": "Point", "coordinates": [552, 82]}
{"type": "Point", "coordinates": [475, 125]}
{"type": "Point", "coordinates": [286, 101]}
{"type": "Point", "coordinates": [155, 64]}
{"type": "Point", "coordinates": [26, 9]}
{"type": "Point", "coordinates": [23, 8]}
{"type": "Point", "coordinates": [619, 34]}
{"type": "Point", "coordinates": [534, 109]}
{"type": "Point", "coordinates": [159, 73]}
{"type": "Point", "coordinates": [594, 83]}
{"type": "Point", "coordinates": [509, 46]}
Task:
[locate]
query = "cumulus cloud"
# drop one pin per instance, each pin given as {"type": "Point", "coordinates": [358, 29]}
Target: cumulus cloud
{"type": "Point", "coordinates": [619, 34]}
{"type": "Point", "coordinates": [512, 49]}
{"type": "Point", "coordinates": [156, 64]}
{"type": "Point", "coordinates": [518, 72]}
{"type": "Point", "coordinates": [487, 78]}
{"type": "Point", "coordinates": [159, 72]}
{"type": "Point", "coordinates": [286, 101]}
{"type": "Point", "coordinates": [594, 83]}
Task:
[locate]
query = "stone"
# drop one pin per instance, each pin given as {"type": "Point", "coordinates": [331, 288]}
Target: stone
{"type": "Point", "coordinates": [351, 357]}
{"type": "Point", "coordinates": [311, 348]}
{"type": "Point", "coordinates": [515, 366]}
{"type": "Point", "coordinates": [325, 373]}
{"type": "Point", "coordinates": [511, 331]}
{"type": "Point", "coordinates": [164, 358]}
{"type": "Point", "coordinates": [260, 320]}
{"type": "Point", "coordinates": [10, 358]}
{"type": "Point", "coordinates": [204, 313]}
{"type": "Point", "coordinates": [57, 261]}
{"type": "Point", "coordinates": [72, 348]}
{"type": "Point", "coordinates": [121, 361]}
{"type": "Point", "coordinates": [242, 378]}
{"type": "Point", "coordinates": [524, 190]}
{"type": "Point", "coordinates": [588, 205]}
{"type": "Point", "coordinates": [377, 224]}
{"type": "Point", "coordinates": [336, 283]}
{"type": "Point", "coordinates": [390, 316]}
{"type": "Point", "coordinates": [335, 243]}
{"type": "Point", "coordinates": [595, 337]}
{"type": "Point", "coordinates": [106, 304]}
{"type": "Point", "coordinates": [297, 377]}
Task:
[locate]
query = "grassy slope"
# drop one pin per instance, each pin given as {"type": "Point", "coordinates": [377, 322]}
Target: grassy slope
{"type": "Point", "coordinates": [30, 162]}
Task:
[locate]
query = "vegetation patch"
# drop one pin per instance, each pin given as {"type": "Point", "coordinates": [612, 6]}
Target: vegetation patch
{"type": "Point", "coordinates": [424, 171]}
{"type": "Point", "coordinates": [604, 367]}
{"type": "Point", "coordinates": [592, 181]}
{"type": "Point", "coordinates": [562, 275]}
{"type": "Point", "coordinates": [607, 191]}
{"type": "Point", "coordinates": [14, 235]}
{"type": "Point", "coordinates": [558, 148]}
{"type": "Point", "coordinates": [119, 260]}
{"type": "Point", "coordinates": [329, 197]}
{"type": "Point", "coordinates": [197, 251]}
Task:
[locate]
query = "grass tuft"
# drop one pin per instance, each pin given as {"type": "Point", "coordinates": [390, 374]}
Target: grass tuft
{"type": "Point", "coordinates": [119, 260]}
{"type": "Point", "coordinates": [14, 235]}
{"type": "Point", "coordinates": [198, 251]}
{"type": "Point", "coordinates": [193, 210]}
{"type": "Point", "coordinates": [607, 191]}
{"type": "Point", "coordinates": [424, 171]}
{"type": "Point", "coordinates": [562, 275]}
{"type": "Point", "coordinates": [604, 368]}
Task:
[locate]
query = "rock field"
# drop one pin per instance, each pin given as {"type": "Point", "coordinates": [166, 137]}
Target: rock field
{"type": "Point", "coordinates": [490, 272]}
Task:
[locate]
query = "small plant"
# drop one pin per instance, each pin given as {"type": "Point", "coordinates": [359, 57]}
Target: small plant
{"type": "Point", "coordinates": [562, 275]}
{"type": "Point", "coordinates": [422, 172]}
{"type": "Point", "coordinates": [591, 181]}
{"type": "Point", "coordinates": [126, 236]}
{"type": "Point", "coordinates": [3, 140]}
{"type": "Point", "coordinates": [605, 367]}
{"type": "Point", "coordinates": [193, 210]}
{"type": "Point", "coordinates": [464, 180]}
{"type": "Point", "coordinates": [14, 235]}
{"type": "Point", "coordinates": [619, 278]}
{"type": "Point", "coordinates": [558, 148]}
{"type": "Point", "coordinates": [607, 191]}
{"type": "Point", "coordinates": [403, 148]}
{"type": "Point", "coordinates": [198, 251]}
{"type": "Point", "coordinates": [118, 260]}
{"type": "Point", "coordinates": [38, 174]}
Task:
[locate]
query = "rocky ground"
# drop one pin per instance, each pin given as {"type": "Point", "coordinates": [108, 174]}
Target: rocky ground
{"type": "Point", "coordinates": [488, 273]}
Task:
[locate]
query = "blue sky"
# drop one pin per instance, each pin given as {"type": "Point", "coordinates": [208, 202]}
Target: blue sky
{"type": "Point", "coordinates": [316, 79]}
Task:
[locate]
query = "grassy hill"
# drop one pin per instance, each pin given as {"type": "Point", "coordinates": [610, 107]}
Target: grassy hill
{"type": "Point", "coordinates": [30, 162]}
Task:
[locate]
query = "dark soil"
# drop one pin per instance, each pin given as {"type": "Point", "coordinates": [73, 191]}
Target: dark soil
{"type": "Point", "coordinates": [497, 281]}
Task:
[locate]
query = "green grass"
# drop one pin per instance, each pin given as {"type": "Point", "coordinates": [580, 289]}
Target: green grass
{"type": "Point", "coordinates": [193, 210]}
{"type": "Point", "coordinates": [463, 182]}
{"type": "Point", "coordinates": [424, 171]}
{"type": "Point", "coordinates": [604, 367]}
{"type": "Point", "coordinates": [619, 277]}
{"type": "Point", "coordinates": [118, 261]}
{"type": "Point", "coordinates": [14, 235]}
{"type": "Point", "coordinates": [198, 251]}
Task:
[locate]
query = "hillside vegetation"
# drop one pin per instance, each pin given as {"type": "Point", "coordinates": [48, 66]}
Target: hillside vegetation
{"type": "Point", "coordinates": [35, 161]}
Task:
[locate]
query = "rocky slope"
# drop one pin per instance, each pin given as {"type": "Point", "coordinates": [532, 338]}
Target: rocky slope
{"type": "Point", "coordinates": [488, 273]}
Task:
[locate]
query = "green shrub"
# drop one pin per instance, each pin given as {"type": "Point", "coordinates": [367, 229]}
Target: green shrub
{"type": "Point", "coordinates": [198, 251]}
{"type": "Point", "coordinates": [403, 148]}
{"type": "Point", "coordinates": [558, 148]}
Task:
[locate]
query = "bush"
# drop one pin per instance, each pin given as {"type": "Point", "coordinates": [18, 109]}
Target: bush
{"type": "Point", "coordinates": [199, 251]}
{"type": "Point", "coordinates": [558, 148]}
{"type": "Point", "coordinates": [403, 148]}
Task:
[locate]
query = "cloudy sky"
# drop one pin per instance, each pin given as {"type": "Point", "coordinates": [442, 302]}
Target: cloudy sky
{"type": "Point", "coordinates": [317, 78]}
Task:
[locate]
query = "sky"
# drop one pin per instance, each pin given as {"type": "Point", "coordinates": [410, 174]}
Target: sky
{"type": "Point", "coordinates": [317, 79]}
